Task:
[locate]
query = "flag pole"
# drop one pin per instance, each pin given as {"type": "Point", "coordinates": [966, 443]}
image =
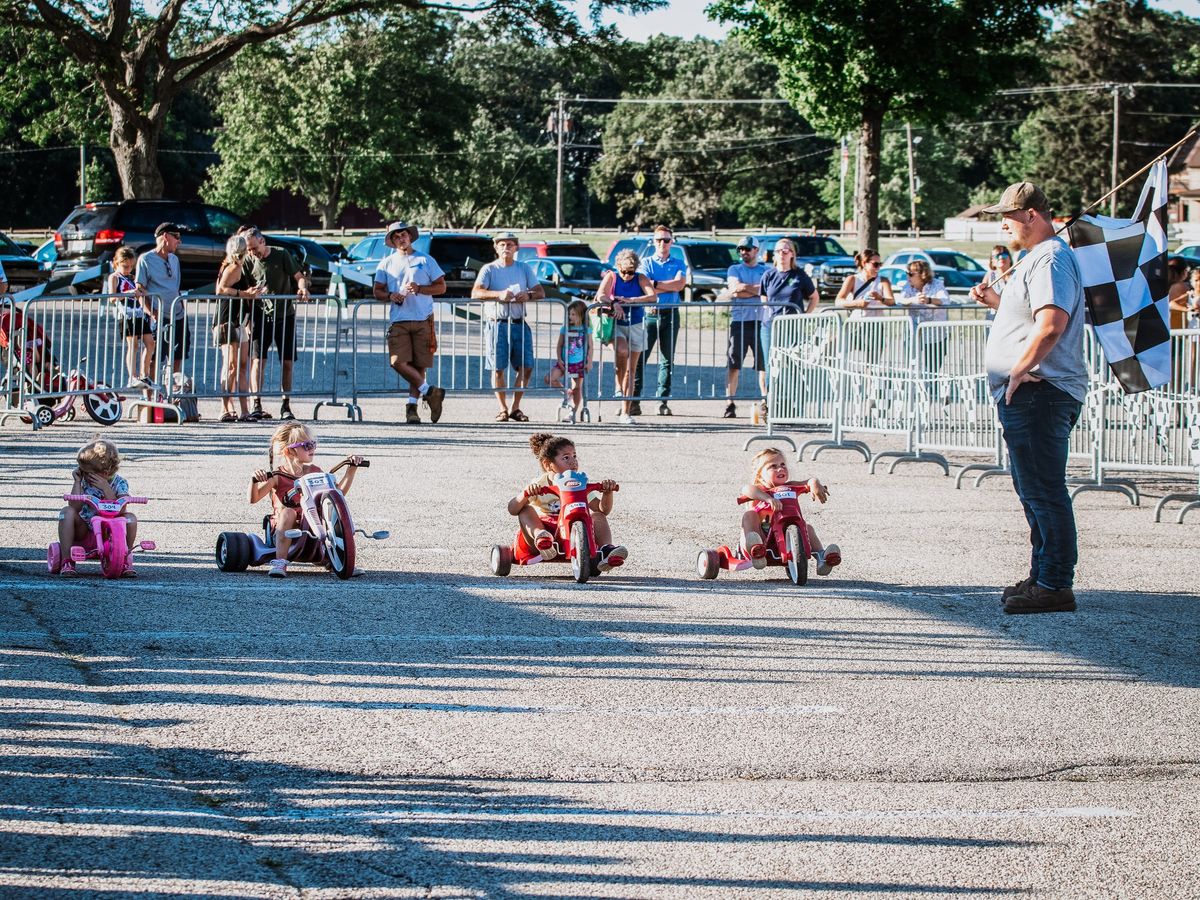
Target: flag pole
{"type": "Point", "coordinates": [1071, 221]}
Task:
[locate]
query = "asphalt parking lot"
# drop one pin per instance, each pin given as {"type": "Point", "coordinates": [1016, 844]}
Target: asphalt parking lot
{"type": "Point", "coordinates": [432, 730]}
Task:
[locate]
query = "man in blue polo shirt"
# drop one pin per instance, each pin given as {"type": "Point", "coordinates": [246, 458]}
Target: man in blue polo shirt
{"type": "Point", "coordinates": [668, 276]}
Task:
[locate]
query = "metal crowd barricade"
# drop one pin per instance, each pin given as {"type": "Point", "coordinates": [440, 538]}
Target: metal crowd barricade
{"type": "Point", "coordinates": [699, 366]}
{"type": "Point", "coordinates": [461, 361]}
{"type": "Point", "coordinates": [221, 335]}
{"type": "Point", "coordinates": [62, 347]}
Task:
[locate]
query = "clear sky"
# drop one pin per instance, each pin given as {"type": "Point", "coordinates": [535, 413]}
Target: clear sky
{"type": "Point", "coordinates": [685, 18]}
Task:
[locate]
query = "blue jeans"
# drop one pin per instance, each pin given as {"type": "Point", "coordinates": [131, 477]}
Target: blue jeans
{"type": "Point", "coordinates": [1037, 425]}
{"type": "Point", "coordinates": [661, 328]}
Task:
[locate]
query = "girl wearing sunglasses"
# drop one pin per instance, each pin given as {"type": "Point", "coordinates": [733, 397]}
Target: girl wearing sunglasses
{"type": "Point", "coordinates": [290, 457]}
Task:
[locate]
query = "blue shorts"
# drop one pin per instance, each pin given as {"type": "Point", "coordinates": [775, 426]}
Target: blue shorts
{"type": "Point", "coordinates": [509, 343]}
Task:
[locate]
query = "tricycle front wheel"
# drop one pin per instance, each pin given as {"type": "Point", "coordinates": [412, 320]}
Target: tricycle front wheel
{"type": "Point", "coordinates": [797, 559]}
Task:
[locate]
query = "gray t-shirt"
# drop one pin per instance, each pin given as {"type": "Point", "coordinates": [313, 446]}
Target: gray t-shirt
{"type": "Point", "coordinates": [160, 278]}
{"type": "Point", "coordinates": [518, 277]}
{"type": "Point", "coordinates": [1049, 275]}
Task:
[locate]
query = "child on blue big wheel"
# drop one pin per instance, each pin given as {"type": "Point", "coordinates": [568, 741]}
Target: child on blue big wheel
{"type": "Point", "coordinates": [771, 472]}
{"type": "Point", "coordinates": [538, 513]}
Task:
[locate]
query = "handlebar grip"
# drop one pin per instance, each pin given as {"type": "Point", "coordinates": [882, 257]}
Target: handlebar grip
{"type": "Point", "coordinates": [82, 498]}
{"type": "Point", "coordinates": [740, 500]}
{"type": "Point", "coordinates": [365, 464]}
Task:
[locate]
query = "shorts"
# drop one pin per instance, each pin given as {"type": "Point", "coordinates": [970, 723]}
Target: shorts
{"type": "Point", "coordinates": [509, 343]}
{"type": "Point", "coordinates": [180, 340]}
{"type": "Point", "coordinates": [633, 335]}
{"type": "Point", "coordinates": [408, 343]}
{"type": "Point", "coordinates": [575, 368]}
{"type": "Point", "coordinates": [136, 326]}
{"type": "Point", "coordinates": [764, 340]}
{"type": "Point", "coordinates": [230, 333]}
{"type": "Point", "coordinates": [745, 336]}
{"type": "Point", "coordinates": [272, 329]}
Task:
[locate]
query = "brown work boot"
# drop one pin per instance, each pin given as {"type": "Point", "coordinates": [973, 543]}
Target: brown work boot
{"type": "Point", "coordinates": [411, 416]}
{"type": "Point", "coordinates": [1038, 599]}
{"type": "Point", "coordinates": [1019, 588]}
{"type": "Point", "coordinates": [433, 399]}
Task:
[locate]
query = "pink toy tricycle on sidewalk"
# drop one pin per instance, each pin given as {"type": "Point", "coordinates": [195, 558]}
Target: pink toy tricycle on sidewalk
{"type": "Point", "coordinates": [105, 540]}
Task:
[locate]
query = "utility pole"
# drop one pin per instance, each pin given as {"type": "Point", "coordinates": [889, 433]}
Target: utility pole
{"type": "Point", "coordinates": [560, 127]}
{"type": "Point", "coordinates": [845, 164]}
{"type": "Point", "coordinates": [1116, 144]}
{"type": "Point", "coordinates": [82, 174]}
{"type": "Point", "coordinates": [912, 183]}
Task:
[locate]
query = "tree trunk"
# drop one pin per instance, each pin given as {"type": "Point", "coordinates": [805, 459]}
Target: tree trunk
{"type": "Point", "coordinates": [134, 140]}
{"type": "Point", "coordinates": [866, 192]}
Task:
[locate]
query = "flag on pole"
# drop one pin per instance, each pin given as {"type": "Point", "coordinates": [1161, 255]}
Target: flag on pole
{"type": "Point", "coordinates": [1124, 266]}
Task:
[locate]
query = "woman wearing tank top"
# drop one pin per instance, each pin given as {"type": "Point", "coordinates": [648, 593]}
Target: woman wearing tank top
{"type": "Point", "coordinates": [865, 291]}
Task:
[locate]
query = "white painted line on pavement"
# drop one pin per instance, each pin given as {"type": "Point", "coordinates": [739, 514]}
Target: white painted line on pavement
{"type": "Point", "coordinates": [310, 636]}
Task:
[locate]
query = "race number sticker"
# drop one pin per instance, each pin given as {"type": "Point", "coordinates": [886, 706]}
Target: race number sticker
{"type": "Point", "coordinates": [785, 495]}
{"type": "Point", "coordinates": [578, 504]}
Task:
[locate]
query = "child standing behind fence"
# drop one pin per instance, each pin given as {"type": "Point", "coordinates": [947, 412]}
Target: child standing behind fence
{"type": "Point", "coordinates": [136, 327]}
{"type": "Point", "coordinates": [573, 357]}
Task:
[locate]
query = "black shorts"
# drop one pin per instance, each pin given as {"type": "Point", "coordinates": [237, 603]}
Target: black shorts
{"type": "Point", "coordinates": [136, 327]}
{"type": "Point", "coordinates": [272, 329]}
{"type": "Point", "coordinates": [180, 340]}
{"type": "Point", "coordinates": [744, 336]}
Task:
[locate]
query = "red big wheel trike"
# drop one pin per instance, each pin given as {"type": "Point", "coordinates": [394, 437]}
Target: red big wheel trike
{"type": "Point", "coordinates": [574, 537]}
{"type": "Point", "coordinates": [786, 541]}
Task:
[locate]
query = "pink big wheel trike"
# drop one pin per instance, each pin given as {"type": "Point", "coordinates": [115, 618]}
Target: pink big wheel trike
{"type": "Point", "coordinates": [106, 540]}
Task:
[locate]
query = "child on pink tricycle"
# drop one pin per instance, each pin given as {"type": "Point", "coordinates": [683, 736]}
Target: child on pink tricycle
{"type": "Point", "coordinates": [96, 477]}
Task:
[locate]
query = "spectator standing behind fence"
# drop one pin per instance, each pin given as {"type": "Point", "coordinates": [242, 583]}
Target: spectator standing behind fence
{"type": "Point", "coordinates": [136, 327]}
{"type": "Point", "coordinates": [409, 281]}
{"type": "Point", "coordinates": [786, 290]}
{"type": "Point", "coordinates": [926, 297]}
{"type": "Point", "coordinates": [1177, 292]}
{"type": "Point", "coordinates": [866, 291]}
{"type": "Point", "coordinates": [510, 284]}
{"type": "Point", "coordinates": [626, 291]}
{"type": "Point", "coordinates": [1036, 374]}
{"type": "Point", "coordinates": [668, 276]}
{"type": "Point", "coordinates": [273, 322]}
{"type": "Point", "coordinates": [1000, 263]}
{"type": "Point", "coordinates": [745, 317]}
{"type": "Point", "coordinates": [237, 297]}
{"type": "Point", "coordinates": [157, 279]}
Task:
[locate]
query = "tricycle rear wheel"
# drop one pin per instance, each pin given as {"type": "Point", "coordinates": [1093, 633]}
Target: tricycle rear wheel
{"type": "Point", "coordinates": [233, 551]}
{"type": "Point", "coordinates": [502, 560]}
{"type": "Point", "coordinates": [708, 563]}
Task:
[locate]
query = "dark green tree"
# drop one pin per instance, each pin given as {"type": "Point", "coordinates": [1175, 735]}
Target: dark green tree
{"type": "Point", "coordinates": [849, 64]}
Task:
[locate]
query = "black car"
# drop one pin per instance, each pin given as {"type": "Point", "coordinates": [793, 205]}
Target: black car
{"type": "Point", "coordinates": [311, 255]}
{"type": "Point", "coordinates": [822, 257]}
{"type": "Point", "coordinates": [20, 269]}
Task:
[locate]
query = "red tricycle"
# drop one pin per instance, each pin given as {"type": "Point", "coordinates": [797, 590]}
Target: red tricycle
{"type": "Point", "coordinates": [786, 541]}
{"type": "Point", "coordinates": [575, 540]}
{"type": "Point", "coordinates": [106, 541]}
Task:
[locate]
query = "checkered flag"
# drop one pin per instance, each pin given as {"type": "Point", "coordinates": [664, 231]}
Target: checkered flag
{"type": "Point", "coordinates": [1124, 266]}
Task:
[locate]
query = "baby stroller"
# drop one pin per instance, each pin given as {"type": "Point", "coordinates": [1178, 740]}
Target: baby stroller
{"type": "Point", "coordinates": [29, 368]}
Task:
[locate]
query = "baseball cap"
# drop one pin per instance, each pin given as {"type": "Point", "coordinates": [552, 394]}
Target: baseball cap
{"type": "Point", "coordinates": [1022, 195]}
{"type": "Point", "coordinates": [167, 228]}
{"type": "Point", "coordinates": [747, 242]}
{"type": "Point", "coordinates": [505, 236]}
{"type": "Point", "coordinates": [401, 226]}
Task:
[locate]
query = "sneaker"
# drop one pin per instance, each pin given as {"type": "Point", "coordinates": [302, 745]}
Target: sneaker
{"type": "Point", "coordinates": [635, 408]}
{"type": "Point", "coordinates": [285, 411]}
{"type": "Point", "coordinates": [828, 558]}
{"type": "Point", "coordinates": [411, 416]}
{"type": "Point", "coordinates": [1038, 599]}
{"type": "Point", "coordinates": [626, 419]}
{"type": "Point", "coordinates": [756, 551]}
{"type": "Point", "coordinates": [68, 569]}
{"type": "Point", "coordinates": [433, 399]}
{"type": "Point", "coordinates": [544, 542]}
{"type": "Point", "coordinates": [1019, 588]}
{"type": "Point", "coordinates": [730, 411]}
{"type": "Point", "coordinates": [278, 568]}
{"type": "Point", "coordinates": [611, 556]}
{"type": "Point", "coordinates": [135, 384]}
{"type": "Point", "coordinates": [664, 410]}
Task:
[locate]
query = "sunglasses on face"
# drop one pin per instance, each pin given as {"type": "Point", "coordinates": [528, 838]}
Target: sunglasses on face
{"type": "Point", "coordinates": [663, 240]}
{"type": "Point", "coordinates": [309, 446]}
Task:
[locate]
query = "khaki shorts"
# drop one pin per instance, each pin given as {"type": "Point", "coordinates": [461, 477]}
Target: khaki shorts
{"type": "Point", "coordinates": [408, 342]}
{"type": "Point", "coordinates": [634, 335]}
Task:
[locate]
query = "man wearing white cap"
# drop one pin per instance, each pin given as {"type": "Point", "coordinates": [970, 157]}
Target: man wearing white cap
{"type": "Point", "coordinates": [511, 284]}
{"type": "Point", "coordinates": [409, 281]}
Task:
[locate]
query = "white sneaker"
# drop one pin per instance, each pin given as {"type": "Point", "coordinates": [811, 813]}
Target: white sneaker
{"type": "Point", "coordinates": [828, 558]}
{"type": "Point", "coordinates": [611, 556]}
{"type": "Point", "coordinates": [278, 568]}
{"type": "Point", "coordinates": [626, 419]}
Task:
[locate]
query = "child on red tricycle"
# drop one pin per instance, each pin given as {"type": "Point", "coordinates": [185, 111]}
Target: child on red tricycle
{"type": "Point", "coordinates": [773, 528]}
{"type": "Point", "coordinates": [563, 517]}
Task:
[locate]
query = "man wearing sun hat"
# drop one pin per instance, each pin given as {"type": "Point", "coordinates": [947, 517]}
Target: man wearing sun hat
{"type": "Point", "coordinates": [409, 281]}
{"type": "Point", "coordinates": [510, 284]}
{"type": "Point", "coordinates": [1038, 377]}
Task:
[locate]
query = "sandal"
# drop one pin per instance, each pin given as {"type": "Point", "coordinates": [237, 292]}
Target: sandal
{"type": "Point", "coordinates": [228, 417]}
{"type": "Point", "coordinates": [502, 416]}
{"type": "Point", "coordinates": [517, 416]}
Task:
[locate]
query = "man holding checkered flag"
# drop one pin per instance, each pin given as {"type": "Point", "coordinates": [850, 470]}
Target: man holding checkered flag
{"type": "Point", "coordinates": [1038, 378]}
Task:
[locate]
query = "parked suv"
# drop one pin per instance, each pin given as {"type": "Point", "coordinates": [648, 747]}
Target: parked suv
{"type": "Point", "coordinates": [460, 255]}
{"type": "Point", "coordinates": [707, 261]}
{"type": "Point", "coordinates": [822, 257]}
{"type": "Point", "coordinates": [21, 270]}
